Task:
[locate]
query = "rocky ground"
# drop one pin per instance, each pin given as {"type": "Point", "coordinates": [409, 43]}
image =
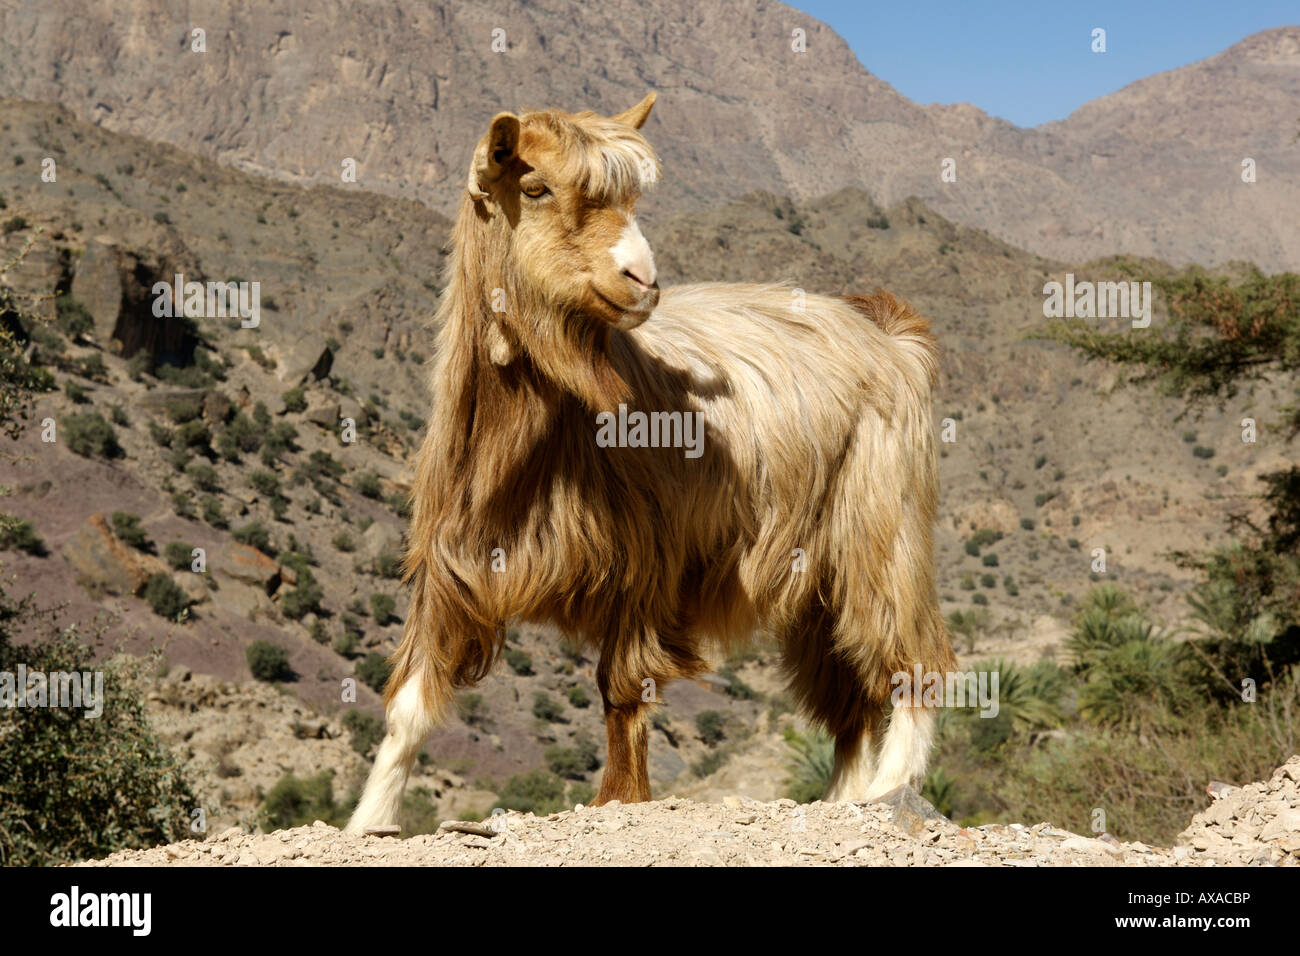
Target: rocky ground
{"type": "Point", "coordinates": [1258, 825]}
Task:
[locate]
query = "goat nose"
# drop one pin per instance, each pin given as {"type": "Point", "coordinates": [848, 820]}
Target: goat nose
{"type": "Point", "coordinates": [641, 274]}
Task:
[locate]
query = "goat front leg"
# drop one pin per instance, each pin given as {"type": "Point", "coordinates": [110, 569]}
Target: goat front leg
{"type": "Point", "coordinates": [627, 775]}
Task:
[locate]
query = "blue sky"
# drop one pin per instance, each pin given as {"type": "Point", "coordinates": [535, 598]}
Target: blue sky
{"type": "Point", "coordinates": [1031, 62]}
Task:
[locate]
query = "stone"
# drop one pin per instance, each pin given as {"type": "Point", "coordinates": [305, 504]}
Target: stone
{"type": "Point", "coordinates": [103, 563]}
{"type": "Point", "coordinates": [97, 285]}
{"type": "Point", "coordinates": [911, 810]}
{"type": "Point", "coordinates": [1284, 824]}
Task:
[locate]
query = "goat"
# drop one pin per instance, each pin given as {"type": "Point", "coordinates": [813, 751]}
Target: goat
{"type": "Point", "coordinates": [807, 511]}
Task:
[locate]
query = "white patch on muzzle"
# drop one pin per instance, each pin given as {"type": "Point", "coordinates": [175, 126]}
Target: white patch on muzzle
{"type": "Point", "coordinates": [632, 254]}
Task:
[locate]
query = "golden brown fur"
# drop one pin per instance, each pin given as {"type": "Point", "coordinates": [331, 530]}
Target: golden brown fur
{"type": "Point", "coordinates": [817, 443]}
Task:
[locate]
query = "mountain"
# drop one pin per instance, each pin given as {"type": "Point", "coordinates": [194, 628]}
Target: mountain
{"type": "Point", "coordinates": [292, 90]}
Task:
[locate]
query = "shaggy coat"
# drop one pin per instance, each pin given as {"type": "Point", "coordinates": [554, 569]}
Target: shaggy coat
{"type": "Point", "coordinates": [807, 515]}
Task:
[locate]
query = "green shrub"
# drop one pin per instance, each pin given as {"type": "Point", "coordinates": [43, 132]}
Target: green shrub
{"type": "Point", "coordinates": [265, 482]}
{"type": "Point", "coordinates": [298, 802]}
{"type": "Point", "coordinates": [294, 400]}
{"type": "Point", "coordinates": [343, 542]}
{"type": "Point", "coordinates": [88, 434]}
{"type": "Point", "coordinates": [204, 476]}
{"type": "Point", "coordinates": [578, 697]}
{"type": "Point", "coordinates": [129, 531]}
{"type": "Point", "coordinates": [518, 661]}
{"type": "Point", "coordinates": [256, 536]}
{"type": "Point", "coordinates": [178, 555]}
{"type": "Point", "coordinates": [811, 766]}
{"type": "Point", "coordinates": [547, 708]}
{"type": "Point", "coordinates": [304, 599]}
{"type": "Point", "coordinates": [573, 762]}
{"type": "Point", "coordinates": [72, 788]}
{"type": "Point", "coordinates": [165, 596]}
{"type": "Point", "coordinates": [366, 730]}
{"type": "Point", "coordinates": [182, 410]}
{"type": "Point", "coordinates": [367, 483]}
{"type": "Point", "coordinates": [75, 392]}
{"type": "Point", "coordinates": [212, 512]}
{"type": "Point", "coordinates": [539, 792]}
{"type": "Point", "coordinates": [990, 560]}
{"type": "Point", "coordinates": [267, 661]}
{"type": "Point", "coordinates": [374, 671]}
{"type": "Point", "coordinates": [19, 534]}
{"type": "Point", "coordinates": [73, 318]}
{"type": "Point", "coordinates": [711, 726]}
{"type": "Point", "coordinates": [382, 607]}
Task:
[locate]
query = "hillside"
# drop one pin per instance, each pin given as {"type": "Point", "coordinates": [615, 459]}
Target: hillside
{"type": "Point", "coordinates": [406, 88]}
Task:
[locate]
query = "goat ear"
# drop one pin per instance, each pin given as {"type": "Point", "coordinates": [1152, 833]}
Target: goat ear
{"type": "Point", "coordinates": [494, 153]}
{"type": "Point", "coordinates": [637, 115]}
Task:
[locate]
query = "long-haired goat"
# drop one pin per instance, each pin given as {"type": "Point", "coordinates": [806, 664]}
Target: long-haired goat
{"type": "Point", "coordinates": [807, 511]}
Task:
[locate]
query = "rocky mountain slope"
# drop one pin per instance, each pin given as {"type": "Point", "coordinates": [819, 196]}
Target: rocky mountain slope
{"type": "Point", "coordinates": [1254, 825]}
{"type": "Point", "coordinates": [406, 88]}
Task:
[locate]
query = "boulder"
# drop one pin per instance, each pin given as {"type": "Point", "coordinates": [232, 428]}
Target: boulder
{"type": "Point", "coordinates": [381, 538]}
{"type": "Point", "coordinates": [105, 564]}
{"type": "Point", "coordinates": [912, 812]}
{"type": "Point", "coordinates": [97, 284]}
{"type": "Point", "coordinates": [246, 565]}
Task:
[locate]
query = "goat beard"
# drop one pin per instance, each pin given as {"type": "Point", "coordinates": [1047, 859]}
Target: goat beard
{"type": "Point", "coordinates": [575, 358]}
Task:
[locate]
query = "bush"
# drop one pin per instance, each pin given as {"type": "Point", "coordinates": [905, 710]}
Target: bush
{"type": "Point", "coordinates": [128, 530]}
{"type": "Point", "coordinates": [343, 542]}
{"type": "Point", "coordinates": [811, 766]}
{"type": "Point", "coordinates": [304, 599]}
{"type": "Point", "coordinates": [388, 565]}
{"type": "Point", "coordinates": [573, 762]}
{"type": "Point", "coordinates": [518, 661]}
{"type": "Point", "coordinates": [382, 607]}
{"type": "Point", "coordinates": [165, 596]}
{"type": "Point", "coordinates": [265, 483]}
{"type": "Point", "coordinates": [212, 512]}
{"type": "Point", "coordinates": [297, 802]}
{"type": "Point", "coordinates": [578, 697]}
{"type": "Point", "coordinates": [294, 400]}
{"type": "Point", "coordinates": [72, 788]}
{"type": "Point", "coordinates": [267, 661]}
{"type": "Point", "coordinates": [367, 483]}
{"type": "Point", "coordinates": [539, 792]}
{"type": "Point", "coordinates": [990, 560]}
{"type": "Point", "coordinates": [710, 725]}
{"type": "Point", "coordinates": [178, 555]}
{"type": "Point", "coordinates": [374, 671]}
{"type": "Point", "coordinates": [547, 708]}
{"type": "Point", "coordinates": [182, 410]}
{"type": "Point", "coordinates": [256, 536]}
{"type": "Point", "coordinates": [75, 392]}
{"type": "Point", "coordinates": [204, 476]}
{"type": "Point", "coordinates": [88, 434]}
{"type": "Point", "coordinates": [18, 534]}
{"type": "Point", "coordinates": [366, 730]}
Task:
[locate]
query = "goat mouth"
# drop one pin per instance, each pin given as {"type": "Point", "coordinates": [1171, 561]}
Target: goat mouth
{"type": "Point", "coordinates": [628, 316]}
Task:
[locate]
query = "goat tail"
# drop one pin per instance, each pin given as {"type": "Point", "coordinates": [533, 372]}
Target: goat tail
{"type": "Point", "coordinates": [899, 320]}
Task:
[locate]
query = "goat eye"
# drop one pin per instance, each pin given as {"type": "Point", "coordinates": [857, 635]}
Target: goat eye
{"type": "Point", "coordinates": [535, 190]}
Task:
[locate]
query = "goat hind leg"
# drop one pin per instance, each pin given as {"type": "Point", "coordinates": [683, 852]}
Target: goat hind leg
{"type": "Point", "coordinates": [627, 775]}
